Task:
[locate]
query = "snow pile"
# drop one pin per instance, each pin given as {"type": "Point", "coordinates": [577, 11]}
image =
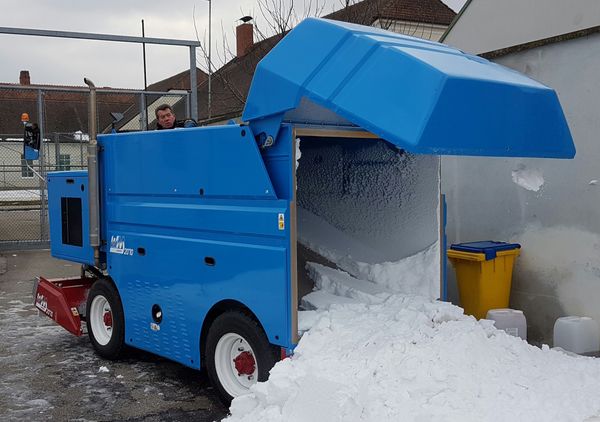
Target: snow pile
{"type": "Point", "coordinates": [412, 359]}
{"type": "Point", "coordinates": [343, 284]}
{"type": "Point", "coordinates": [412, 275]}
{"type": "Point", "coordinates": [80, 136]}
{"type": "Point", "coordinates": [20, 195]}
{"type": "Point", "coordinates": [530, 179]}
{"type": "Point", "coordinates": [298, 152]}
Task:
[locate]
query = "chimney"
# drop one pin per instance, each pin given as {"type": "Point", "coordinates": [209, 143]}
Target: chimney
{"type": "Point", "coordinates": [245, 37]}
{"type": "Point", "coordinates": [24, 78]}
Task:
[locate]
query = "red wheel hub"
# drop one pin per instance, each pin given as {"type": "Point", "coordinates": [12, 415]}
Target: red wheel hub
{"type": "Point", "coordinates": [108, 319]}
{"type": "Point", "coordinates": [245, 363]}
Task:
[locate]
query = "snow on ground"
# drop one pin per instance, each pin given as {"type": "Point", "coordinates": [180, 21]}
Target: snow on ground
{"type": "Point", "coordinates": [49, 374]}
{"type": "Point", "coordinates": [384, 356]}
{"type": "Point", "coordinates": [530, 179]}
{"type": "Point", "coordinates": [20, 195]}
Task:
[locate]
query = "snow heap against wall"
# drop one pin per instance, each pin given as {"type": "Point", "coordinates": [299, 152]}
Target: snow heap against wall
{"type": "Point", "coordinates": [384, 357]}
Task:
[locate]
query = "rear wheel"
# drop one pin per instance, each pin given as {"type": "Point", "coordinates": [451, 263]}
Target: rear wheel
{"type": "Point", "coordinates": [105, 321]}
{"type": "Point", "coordinates": [238, 354]}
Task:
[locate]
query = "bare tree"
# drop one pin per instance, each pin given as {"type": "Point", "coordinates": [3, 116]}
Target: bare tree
{"type": "Point", "coordinates": [275, 18]}
{"type": "Point", "coordinates": [272, 20]}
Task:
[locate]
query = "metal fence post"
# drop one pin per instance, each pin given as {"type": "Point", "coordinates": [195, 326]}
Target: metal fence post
{"type": "Point", "coordinates": [42, 163]}
{"type": "Point", "coordinates": [187, 105]}
{"type": "Point", "coordinates": [81, 151]}
{"type": "Point", "coordinates": [56, 151]}
{"type": "Point", "coordinates": [193, 83]}
{"type": "Point", "coordinates": [143, 119]}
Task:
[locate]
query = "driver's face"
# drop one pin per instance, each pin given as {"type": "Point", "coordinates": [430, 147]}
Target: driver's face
{"type": "Point", "coordinates": [166, 118]}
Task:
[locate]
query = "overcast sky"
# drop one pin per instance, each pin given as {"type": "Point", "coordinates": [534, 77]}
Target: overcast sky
{"type": "Point", "coordinates": [66, 61]}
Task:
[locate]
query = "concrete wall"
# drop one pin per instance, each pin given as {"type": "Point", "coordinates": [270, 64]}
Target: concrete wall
{"type": "Point", "coordinates": [488, 25]}
{"type": "Point", "coordinates": [559, 225]}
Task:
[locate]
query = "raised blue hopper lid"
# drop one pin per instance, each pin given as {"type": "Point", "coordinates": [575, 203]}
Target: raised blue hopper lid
{"type": "Point", "coordinates": [487, 247]}
{"type": "Point", "coordinates": [421, 96]}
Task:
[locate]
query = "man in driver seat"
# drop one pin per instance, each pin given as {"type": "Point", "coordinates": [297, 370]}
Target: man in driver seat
{"type": "Point", "coordinates": [165, 118]}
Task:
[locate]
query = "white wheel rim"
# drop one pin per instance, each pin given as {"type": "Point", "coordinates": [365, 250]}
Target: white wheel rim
{"type": "Point", "coordinates": [102, 328]}
{"type": "Point", "coordinates": [230, 347]}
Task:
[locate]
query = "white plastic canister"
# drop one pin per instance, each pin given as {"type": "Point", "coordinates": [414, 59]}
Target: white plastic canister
{"type": "Point", "coordinates": [577, 334]}
{"type": "Point", "coordinates": [510, 320]}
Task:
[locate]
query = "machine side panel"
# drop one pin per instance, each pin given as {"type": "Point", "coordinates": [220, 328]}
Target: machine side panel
{"type": "Point", "coordinates": [68, 211]}
{"type": "Point", "coordinates": [186, 275]}
{"type": "Point", "coordinates": [172, 245]}
{"type": "Point", "coordinates": [222, 161]}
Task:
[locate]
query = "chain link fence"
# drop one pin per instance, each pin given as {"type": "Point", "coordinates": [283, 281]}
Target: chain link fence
{"type": "Point", "coordinates": [23, 199]}
{"type": "Point", "coordinates": [23, 195]}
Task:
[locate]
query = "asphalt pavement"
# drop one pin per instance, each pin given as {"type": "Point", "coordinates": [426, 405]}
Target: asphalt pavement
{"type": "Point", "coordinates": [47, 373]}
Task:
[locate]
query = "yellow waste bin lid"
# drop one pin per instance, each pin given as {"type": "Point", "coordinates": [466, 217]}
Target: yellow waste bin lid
{"type": "Point", "coordinates": [480, 251]}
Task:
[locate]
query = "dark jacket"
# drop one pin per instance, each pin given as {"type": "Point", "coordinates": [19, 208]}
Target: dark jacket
{"type": "Point", "coordinates": [178, 123]}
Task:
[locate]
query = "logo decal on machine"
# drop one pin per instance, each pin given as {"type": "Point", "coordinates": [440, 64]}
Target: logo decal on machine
{"type": "Point", "coordinates": [117, 245]}
{"type": "Point", "coordinates": [42, 304]}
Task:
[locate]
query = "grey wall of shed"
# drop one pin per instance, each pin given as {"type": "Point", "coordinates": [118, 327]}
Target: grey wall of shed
{"type": "Point", "coordinates": [558, 272]}
{"type": "Point", "coordinates": [488, 25]}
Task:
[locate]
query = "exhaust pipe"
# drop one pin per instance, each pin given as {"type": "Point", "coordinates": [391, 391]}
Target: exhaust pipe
{"type": "Point", "coordinates": [93, 197]}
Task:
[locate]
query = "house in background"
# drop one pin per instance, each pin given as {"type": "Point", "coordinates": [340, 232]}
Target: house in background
{"type": "Point", "coordinates": [230, 84]}
{"type": "Point", "coordinates": [427, 19]}
{"type": "Point", "coordinates": [63, 111]}
{"type": "Point", "coordinates": [65, 118]}
{"type": "Point", "coordinates": [558, 225]}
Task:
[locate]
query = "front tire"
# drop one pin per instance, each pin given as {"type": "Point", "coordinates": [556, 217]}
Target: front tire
{"type": "Point", "coordinates": [105, 320]}
{"type": "Point", "coordinates": [238, 354]}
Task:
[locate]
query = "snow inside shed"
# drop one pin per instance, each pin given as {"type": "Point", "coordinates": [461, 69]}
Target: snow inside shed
{"type": "Point", "coordinates": [371, 210]}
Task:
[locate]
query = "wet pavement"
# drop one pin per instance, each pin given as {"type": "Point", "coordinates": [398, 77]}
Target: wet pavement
{"type": "Point", "coordinates": [47, 373]}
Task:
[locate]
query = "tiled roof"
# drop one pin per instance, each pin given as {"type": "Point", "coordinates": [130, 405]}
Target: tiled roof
{"type": "Point", "coordinates": [421, 11]}
{"type": "Point", "coordinates": [179, 81]}
{"type": "Point", "coordinates": [68, 111]}
{"type": "Point", "coordinates": [65, 112]}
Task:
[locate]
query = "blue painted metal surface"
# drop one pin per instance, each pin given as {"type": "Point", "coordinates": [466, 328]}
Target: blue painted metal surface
{"type": "Point", "coordinates": [444, 247]}
{"type": "Point", "coordinates": [30, 153]}
{"type": "Point", "coordinates": [422, 96]}
{"type": "Point", "coordinates": [173, 200]}
{"type": "Point", "coordinates": [68, 184]}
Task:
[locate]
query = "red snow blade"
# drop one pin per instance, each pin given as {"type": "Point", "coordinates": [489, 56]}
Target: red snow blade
{"type": "Point", "coordinates": [61, 298]}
